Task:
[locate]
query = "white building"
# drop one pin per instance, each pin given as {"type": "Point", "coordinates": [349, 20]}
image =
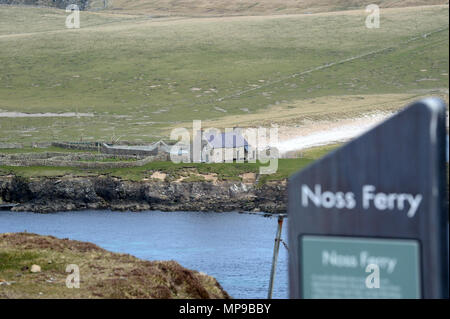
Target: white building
{"type": "Point", "coordinates": [219, 147]}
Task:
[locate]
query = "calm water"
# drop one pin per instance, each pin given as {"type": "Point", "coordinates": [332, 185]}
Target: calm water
{"type": "Point", "coordinates": [235, 248]}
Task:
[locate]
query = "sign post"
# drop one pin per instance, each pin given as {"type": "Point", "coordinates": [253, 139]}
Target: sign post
{"type": "Point", "coordinates": [369, 219]}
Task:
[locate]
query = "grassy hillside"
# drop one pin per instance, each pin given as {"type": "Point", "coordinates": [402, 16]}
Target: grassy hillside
{"type": "Point", "coordinates": [250, 7]}
{"type": "Point", "coordinates": [139, 76]}
{"type": "Point", "coordinates": [221, 7]}
{"type": "Point", "coordinates": [103, 274]}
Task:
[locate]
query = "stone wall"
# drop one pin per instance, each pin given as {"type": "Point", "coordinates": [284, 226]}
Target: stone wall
{"type": "Point", "coordinates": [10, 145]}
{"type": "Point", "coordinates": [65, 160]}
{"type": "Point", "coordinates": [97, 146]}
{"type": "Point", "coordinates": [62, 4]}
{"type": "Point", "coordinates": [120, 151]}
{"type": "Point", "coordinates": [91, 146]}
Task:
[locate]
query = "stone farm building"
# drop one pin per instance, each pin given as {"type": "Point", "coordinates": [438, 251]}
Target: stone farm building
{"type": "Point", "coordinates": [217, 146]}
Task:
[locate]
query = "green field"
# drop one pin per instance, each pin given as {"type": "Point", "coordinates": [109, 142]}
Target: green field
{"type": "Point", "coordinates": [190, 172]}
{"type": "Point", "coordinates": [141, 76]}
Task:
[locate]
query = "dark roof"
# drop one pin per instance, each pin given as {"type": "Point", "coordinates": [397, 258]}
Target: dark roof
{"type": "Point", "coordinates": [226, 140]}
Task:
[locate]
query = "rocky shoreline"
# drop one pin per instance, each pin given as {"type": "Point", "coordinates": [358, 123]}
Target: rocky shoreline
{"type": "Point", "coordinates": [47, 195]}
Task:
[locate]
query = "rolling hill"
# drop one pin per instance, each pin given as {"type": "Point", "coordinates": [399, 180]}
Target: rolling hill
{"type": "Point", "coordinates": [136, 76]}
{"type": "Point", "coordinates": [222, 7]}
{"type": "Point", "coordinates": [251, 7]}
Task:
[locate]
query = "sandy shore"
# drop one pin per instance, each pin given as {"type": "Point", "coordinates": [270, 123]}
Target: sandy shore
{"type": "Point", "coordinates": [325, 132]}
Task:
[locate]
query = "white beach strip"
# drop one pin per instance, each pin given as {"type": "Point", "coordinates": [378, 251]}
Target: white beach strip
{"type": "Point", "coordinates": [67, 114]}
{"type": "Point", "coordinates": [329, 132]}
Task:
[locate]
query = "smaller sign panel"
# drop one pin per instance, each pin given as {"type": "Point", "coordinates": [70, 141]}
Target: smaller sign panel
{"type": "Point", "coordinates": [339, 267]}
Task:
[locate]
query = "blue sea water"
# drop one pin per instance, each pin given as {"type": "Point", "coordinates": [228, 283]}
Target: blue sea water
{"type": "Point", "coordinates": [234, 248]}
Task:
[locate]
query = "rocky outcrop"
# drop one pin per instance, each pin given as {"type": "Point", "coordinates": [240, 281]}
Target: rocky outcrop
{"type": "Point", "coordinates": [45, 195]}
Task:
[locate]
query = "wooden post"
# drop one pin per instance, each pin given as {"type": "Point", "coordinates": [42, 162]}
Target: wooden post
{"type": "Point", "coordinates": [276, 248]}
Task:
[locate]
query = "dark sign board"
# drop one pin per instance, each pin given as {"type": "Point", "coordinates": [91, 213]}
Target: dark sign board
{"type": "Point", "coordinates": [369, 219]}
